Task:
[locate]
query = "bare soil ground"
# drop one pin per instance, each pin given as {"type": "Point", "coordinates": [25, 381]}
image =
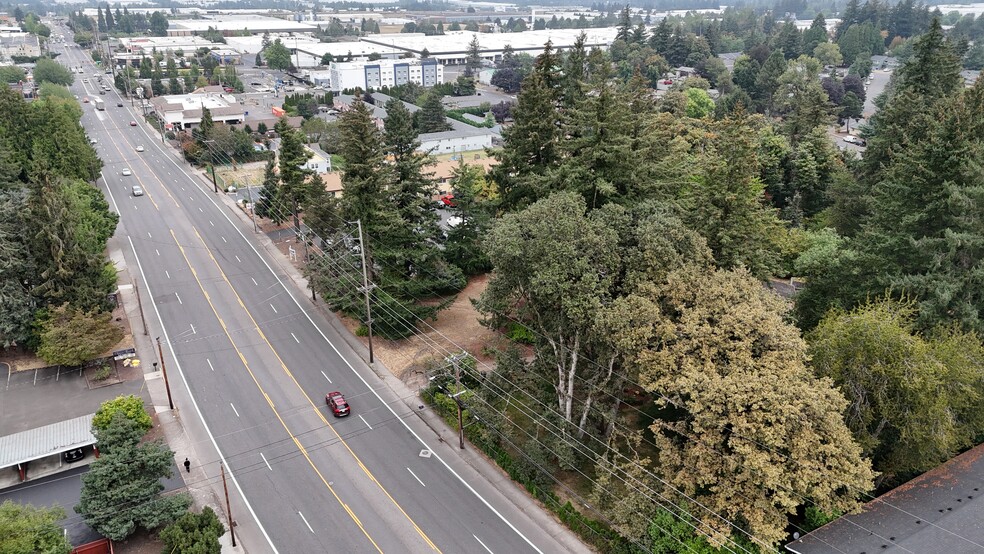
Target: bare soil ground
{"type": "Point", "coordinates": [141, 542]}
{"type": "Point", "coordinates": [457, 327]}
{"type": "Point", "coordinates": [244, 174]}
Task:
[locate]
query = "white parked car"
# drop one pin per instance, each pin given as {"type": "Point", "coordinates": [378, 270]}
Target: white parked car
{"type": "Point", "coordinates": [855, 140]}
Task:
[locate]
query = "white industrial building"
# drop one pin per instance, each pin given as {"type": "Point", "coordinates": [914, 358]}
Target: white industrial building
{"type": "Point", "coordinates": [384, 73]}
{"type": "Point", "coordinates": [451, 48]}
{"type": "Point", "coordinates": [235, 24]}
{"type": "Point", "coordinates": [183, 111]}
{"type": "Point", "coordinates": [163, 45]}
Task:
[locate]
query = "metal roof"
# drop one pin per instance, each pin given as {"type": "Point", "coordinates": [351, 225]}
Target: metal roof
{"type": "Point", "coordinates": [46, 441]}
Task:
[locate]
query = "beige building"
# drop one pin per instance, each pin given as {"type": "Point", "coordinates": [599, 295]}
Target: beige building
{"type": "Point", "coordinates": [23, 45]}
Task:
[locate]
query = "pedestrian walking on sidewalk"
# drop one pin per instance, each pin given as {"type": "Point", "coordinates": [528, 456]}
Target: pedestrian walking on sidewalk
{"type": "Point", "coordinates": [187, 465]}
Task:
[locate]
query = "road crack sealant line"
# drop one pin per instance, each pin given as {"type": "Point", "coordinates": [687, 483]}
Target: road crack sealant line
{"type": "Point", "coordinates": [462, 480]}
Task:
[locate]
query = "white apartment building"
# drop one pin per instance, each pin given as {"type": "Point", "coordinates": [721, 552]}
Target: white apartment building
{"type": "Point", "coordinates": [384, 73]}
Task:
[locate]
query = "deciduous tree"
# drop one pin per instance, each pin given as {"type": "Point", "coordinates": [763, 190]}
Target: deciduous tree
{"type": "Point", "coordinates": [194, 534]}
{"type": "Point", "coordinates": [914, 401]}
{"type": "Point", "coordinates": [25, 529]}
{"type": "Point", "coordinates": [747, 429]}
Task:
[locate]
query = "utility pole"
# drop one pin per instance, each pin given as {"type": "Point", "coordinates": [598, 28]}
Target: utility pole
{"type": "Point", "coordinates": [143, 319]}
{"type": "Point", "coordinates": [232, 532]}
{"type": "Point", "coordinates": [252, 208]}
{"type": "Point", "coordinates": [365, 288]}
{"type": "Point", "coordinates": [457, 401]}
{"type": "Point", "coordinates": [167, 386]}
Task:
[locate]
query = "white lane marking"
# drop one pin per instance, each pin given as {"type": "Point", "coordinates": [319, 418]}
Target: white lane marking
{"type": "Point", "coordinates": [370, 428]}
{"type": "Point", "coordinates": [198, 410]}
{"type": "Point", "coordinates": [192, 198]}
{"type": "Point", "coordinates": [210, 223]}
{"type": "Point", "coordinates": [274, 309]}
{"type": "Point", "coordinates": [254, 281]}
{"type": "Point", "coordinates": [266, 462]}
{"type": "Point", "coordinates": [201, 210]}
{"type": "Point", "coordinates": [210, 364]}
{"type": "Point", "coordinates": [179, 298]}
{"type": "Point", "coordinates": [417, 478]}
{"type": "Point", "coordinates": [149, 235]}
{"type": "Point", "coordinates": [297, 340]}
{"type": "Point", "coordinates": [168, 274]}
{"type": "Point", "coordinates": [158, 251]}
{"type": "Point", "coordinates": [489, 550]}
{"type": "Point", "coordinates": [305, 521]}
{"type": "Point", "coordinates": [358, 374]}
{"type": "Point", "coordinates": [193, 331]}
{"type": "Point", "coordinates": [234, 409]}
{"type": "Point", "coordinates": [326, 377]}
{"type": "Point", "coordinates": [238, 260]}
{"type": "Point", "coordinates": [224, 240]}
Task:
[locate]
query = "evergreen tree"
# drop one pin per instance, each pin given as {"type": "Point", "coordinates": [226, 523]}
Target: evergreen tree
{"type": "Point", "coordinates": [624, 25]}
{"type": "Point", "coordinates": [272, 204]}
{"type": "Point", "coordinates": [598, 161]}
{"type": "Point", "coordinates": [292, 164]}
{"type": "Point", "coordinates": [815, 35]}
{"type": "Point", "coordinates": [926, 230]}
{"type": "Point", "coordinates": [767, 80]}
{"type": "Point", "coordinates": [660, 39]}
{"type": "Point", "coordinates": [726, 202]}
{"type": "Point", "coordinates": [574, 71]}
{"type": "Point", "coordinates": [532, 143]}
{"type": "Point", "coordinates": [432, 118]}
{"type": "Point", "coordinates": [463, 247]}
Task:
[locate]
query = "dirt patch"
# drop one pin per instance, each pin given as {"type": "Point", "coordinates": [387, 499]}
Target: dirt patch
{"type": "Point", "coordinates": [141, 542]}
{"type": "Point", "coordinates": [457, 328]}
{"type": "Point", "coordinates": [244, 174]}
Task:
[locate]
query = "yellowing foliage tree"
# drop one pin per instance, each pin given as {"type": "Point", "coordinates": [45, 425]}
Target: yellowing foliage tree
{"type": "Point", "coordinates": [745, 427]}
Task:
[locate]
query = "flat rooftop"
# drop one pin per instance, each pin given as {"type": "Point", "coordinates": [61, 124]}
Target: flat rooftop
{"type": "Point", "coordinates": [456, 42]}
{"type": "Point", "coordinates": [240, 22]}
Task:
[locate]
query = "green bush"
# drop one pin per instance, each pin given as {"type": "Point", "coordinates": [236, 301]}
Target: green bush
{"type": "Point", "coordinates": [520, 333]}
{"type": "Point", "coordinates": [131, 406]}
{"type": "Point", "coordinates": [102, 373]}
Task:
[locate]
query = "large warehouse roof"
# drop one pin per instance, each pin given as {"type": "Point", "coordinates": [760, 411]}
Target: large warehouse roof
{"type": "Point", "coordinates": [456, 42]}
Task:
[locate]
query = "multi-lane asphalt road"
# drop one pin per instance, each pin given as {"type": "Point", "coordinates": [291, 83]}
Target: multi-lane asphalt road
{"type": "Point", "coordinates": [251, 362]}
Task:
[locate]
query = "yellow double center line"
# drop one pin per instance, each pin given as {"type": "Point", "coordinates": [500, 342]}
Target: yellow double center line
{"type": "Point", "coordinates": [311, 402]}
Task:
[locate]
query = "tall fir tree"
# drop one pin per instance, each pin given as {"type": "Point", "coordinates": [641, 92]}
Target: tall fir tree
{"type": "Point", "coordinates": [272, 204]}
{"type": "Point", "coordinates": [532, 143]}
{"type": "Point", "coordinates": [432, 118]}
{"type": "Point", "coordinates": [925, 236]}
{"type": "Point", "coordinates": [292, 160]}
